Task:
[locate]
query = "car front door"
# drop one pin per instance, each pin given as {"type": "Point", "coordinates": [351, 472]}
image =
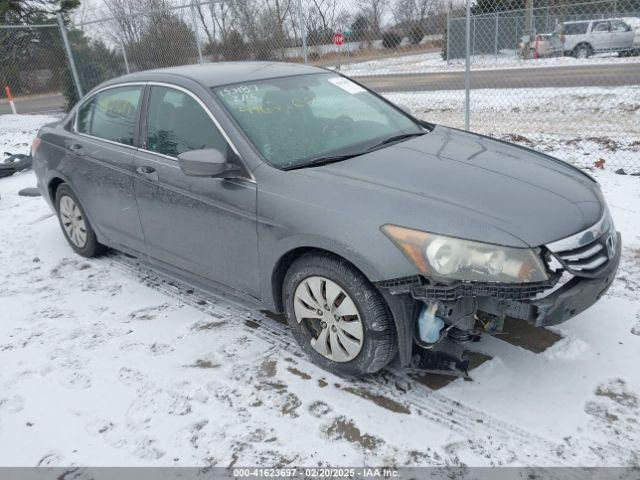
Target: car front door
{"type": "Point", "coordinates": [200, 225]}
{"type": "Point", "coordinates": [621, 35]}
{"type": "Point", "coordinates": [601, 36]}
{"type": "Point", "coordinates": [100, 154]}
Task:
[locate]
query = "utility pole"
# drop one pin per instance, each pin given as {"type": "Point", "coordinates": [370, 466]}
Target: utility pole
{"type": "Point", "coordinates": [528, 28]}
{"type": "Point", "coordinates": [467, 67]}
{"type": "Point", "coordinates": [303, 31]}
{"type": "Point", "coordinates": [194, 19]}
{"type": "Point", "coordinates": [70, 59]}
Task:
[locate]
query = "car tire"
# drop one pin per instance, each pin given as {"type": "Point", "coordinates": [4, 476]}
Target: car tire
{"type": "Point", "coordinates": [333, 346]}
{"type": "Point", "coordinates": [582, 51]}
{"type": "Point", "coordinates": [75, 224]}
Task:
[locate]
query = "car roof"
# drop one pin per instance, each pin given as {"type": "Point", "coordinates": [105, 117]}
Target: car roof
{"type": "Point", "coordinates": [603, 20]}
{"type": "Point", "coordinates": [631, 20]}
{"type": "Point", "coordinates": [222, 73]}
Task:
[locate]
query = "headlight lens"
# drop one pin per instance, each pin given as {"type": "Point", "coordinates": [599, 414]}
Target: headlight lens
{"type": "Point", "coordinates": [456, 259]}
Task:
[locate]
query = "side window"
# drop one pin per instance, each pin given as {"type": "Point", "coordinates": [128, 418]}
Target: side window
{"type": "Point", "coordinates": [575, 28]}
{"type": "Point", "coordinates": [111, 114]}
{"type": "Point", "coordinates": [601, 27]}
{"type": "Point", "coordinates": [618, 26]}
{"type": "Point", "coordinates": [176, 123]}
{"type": "Point", "coordinates": [84, 116]}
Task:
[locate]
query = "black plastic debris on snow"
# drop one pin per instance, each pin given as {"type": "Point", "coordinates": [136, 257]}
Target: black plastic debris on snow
{"type": "Point", "coordinates": [14, 162]}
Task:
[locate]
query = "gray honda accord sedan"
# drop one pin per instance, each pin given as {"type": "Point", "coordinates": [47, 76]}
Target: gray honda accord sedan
{"type": "Point", "coordinates": [377, 234]}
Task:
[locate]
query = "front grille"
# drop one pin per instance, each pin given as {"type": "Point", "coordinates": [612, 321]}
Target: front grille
{"type": "Point", "coordinates": [586, 260]}
{"type": "Point", "coordinates": [587, 254]}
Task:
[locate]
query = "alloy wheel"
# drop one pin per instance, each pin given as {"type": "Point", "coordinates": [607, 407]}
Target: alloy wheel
{"type": "Point", "coordinates": [330, 317]}
{"type": "Point", "coordinates": [73, 221]}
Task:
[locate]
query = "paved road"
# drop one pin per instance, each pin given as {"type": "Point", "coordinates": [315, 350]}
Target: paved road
{"type": "Point", "coordinates": [36, 104]}
{"type": "Point", "coordinates": [578, 76]}
{"type": "Point", "coordinates": [568, 76]}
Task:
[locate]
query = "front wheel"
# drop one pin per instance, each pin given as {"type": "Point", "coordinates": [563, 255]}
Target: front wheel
{"type": "Point", "coordinates": [337, 316]}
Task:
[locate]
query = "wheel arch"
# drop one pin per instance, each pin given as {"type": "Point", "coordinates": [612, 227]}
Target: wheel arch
{"type": "Point", "coordinates": [284, 262]}
{"type": "Point", "coordinates": [53, 184]}
{"type": "Point", "coordinates": [52, 187]}
{"type": "Point", "coordinates": [402, 309]}
{"type": "Point", "coordinates": [586, 45]}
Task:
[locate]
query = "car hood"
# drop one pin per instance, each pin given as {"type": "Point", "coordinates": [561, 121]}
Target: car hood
{"type": "Point", "coordinates": [469, 186]}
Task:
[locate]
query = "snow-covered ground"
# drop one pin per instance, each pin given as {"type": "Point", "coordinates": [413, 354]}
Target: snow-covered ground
{"type": "Point", "coordinates": [103, 362]}
{"type": "Point", "coordinates": [580, 125]}
{"type": "Point", "coordinates": [433, 62]}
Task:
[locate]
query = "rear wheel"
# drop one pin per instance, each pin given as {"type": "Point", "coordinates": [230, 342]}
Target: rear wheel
{"type": "Point", "coordinates": [75, 224]}
{"type": "Point", "coordinates": [337, 316]}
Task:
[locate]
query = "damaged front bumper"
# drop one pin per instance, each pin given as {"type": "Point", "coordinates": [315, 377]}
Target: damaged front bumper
{"type": "Point", "coordinates": [463, 304]}
{"type": "Point", "coordinates": [523, 301]}
{"type": "Point", "coordinates": [575, 296]}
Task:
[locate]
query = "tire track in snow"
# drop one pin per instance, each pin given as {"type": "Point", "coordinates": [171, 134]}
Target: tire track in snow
{"type": "Point", "coordinates": [482, 432]}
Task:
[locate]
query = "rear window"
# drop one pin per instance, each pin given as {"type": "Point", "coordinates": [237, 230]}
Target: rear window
{"type": "Point", "coordinates": [574, 28]}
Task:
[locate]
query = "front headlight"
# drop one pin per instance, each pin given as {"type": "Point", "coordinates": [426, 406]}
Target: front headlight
{"type": "Point", "coordinates": [456, 259]}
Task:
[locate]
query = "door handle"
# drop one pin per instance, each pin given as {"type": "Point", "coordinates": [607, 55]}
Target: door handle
{"type": "Point", "coordinates": [76, 148]}
{"type": "Point", "coordinates": [147, 172]}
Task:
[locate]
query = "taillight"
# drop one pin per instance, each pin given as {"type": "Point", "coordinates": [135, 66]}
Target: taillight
{"type": "Point", "coordinates": [562, 38]}
{"type": "Point", "coordinates": [34, 145]}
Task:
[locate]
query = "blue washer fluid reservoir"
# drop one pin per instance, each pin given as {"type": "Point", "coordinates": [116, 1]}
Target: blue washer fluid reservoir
{"type": "Point", "coordinates": [429, 325]}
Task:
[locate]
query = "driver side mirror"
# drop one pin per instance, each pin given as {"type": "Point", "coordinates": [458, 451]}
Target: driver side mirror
{"type": "Point", "coordinates": [208, 162]}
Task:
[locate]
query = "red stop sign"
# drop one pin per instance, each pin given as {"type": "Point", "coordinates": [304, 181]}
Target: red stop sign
{"type": "Point", "coordinates": [338, 38]}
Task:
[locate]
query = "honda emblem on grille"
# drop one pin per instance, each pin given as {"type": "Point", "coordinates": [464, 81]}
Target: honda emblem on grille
{"type": "Point", "coordinates": [611, 246]}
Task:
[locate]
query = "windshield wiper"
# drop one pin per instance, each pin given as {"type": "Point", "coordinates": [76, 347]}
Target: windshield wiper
{"type": "Point", "coordinates": [395, 138]}
{"type": "Point", "coordinates": [316, 162]}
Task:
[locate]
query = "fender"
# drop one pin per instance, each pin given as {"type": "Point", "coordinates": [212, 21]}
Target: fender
{"type": "Point", "coordinates": [402, 308]}
{"type": "Point", "coordinates": [45, 189]}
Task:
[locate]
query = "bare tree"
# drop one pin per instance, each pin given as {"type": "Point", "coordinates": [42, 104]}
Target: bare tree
{"type": "Point", "coordinates": [217, 20]}
{"type": "Point", "coordinates": [222, 17]}
{"type": "Point", "coordinates": [323, 18]}
{"type": "Point", "coordinates": [127, 24]}
{"type": "Point", "coordinates": [413, 11]}
{"type": "Point", "coordinates": [247, 14]}
{"type": "Point", "coordinates": [405, 11]}
{"type": "Point", "coordinates": [276, 15]}
{"type": "Point", "coordinates": [374, 10]}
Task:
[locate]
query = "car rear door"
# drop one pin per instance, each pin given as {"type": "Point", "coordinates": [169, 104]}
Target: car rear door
{"type": "Point", "coordinates": [204, 226]}
{"type": "Point", "coordinates": [600, 37]}
{"type": "Point", "coordinates": [621, 35]}
{"type": "Point", "coordinates": [99, 168]}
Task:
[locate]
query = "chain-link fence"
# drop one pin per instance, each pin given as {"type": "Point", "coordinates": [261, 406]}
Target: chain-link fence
{"type": "Point", "coordinates": [561, 77]}
{"type": "Point", "coordinates": [33, 63]}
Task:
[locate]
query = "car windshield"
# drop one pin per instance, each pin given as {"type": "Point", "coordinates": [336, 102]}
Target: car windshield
{"type": "Point", "coordinates": [301, 120]}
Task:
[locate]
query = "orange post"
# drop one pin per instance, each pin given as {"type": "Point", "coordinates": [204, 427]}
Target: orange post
{"type": "Point", "coordinates": [7, 90]}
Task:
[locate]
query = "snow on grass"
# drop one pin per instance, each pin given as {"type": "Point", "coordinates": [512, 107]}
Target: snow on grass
{"type": "Point", "coordinates": [17, 131]}
{"type": "Point", "coordinates": [433, 62]}
{"type": "Point", "coordinates": [580, 125]}
{"type": "Point", "coordinates": [98, 367]}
